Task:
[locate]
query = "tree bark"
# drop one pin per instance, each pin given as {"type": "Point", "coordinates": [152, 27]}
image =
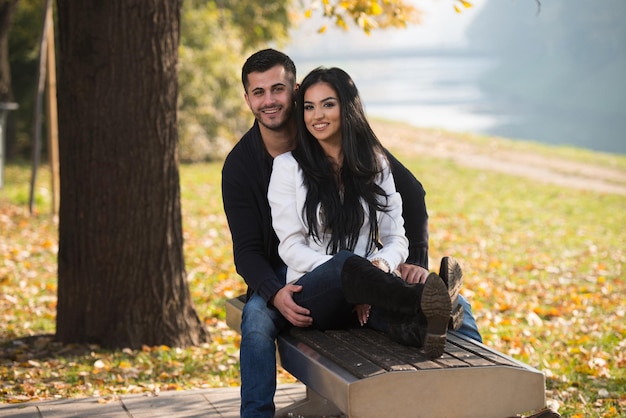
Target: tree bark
{"type": "Point", "coordinates": [122, 280]}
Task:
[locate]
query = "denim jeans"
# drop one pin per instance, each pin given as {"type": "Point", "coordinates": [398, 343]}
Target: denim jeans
{"type": "Point", "coordinates": [322, 294]}
{"type": "Point", "coordinates": [260, 325]}
{"type": "Point", "coordinates": [469, 327]}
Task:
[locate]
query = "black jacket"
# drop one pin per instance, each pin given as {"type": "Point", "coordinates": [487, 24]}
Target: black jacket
{"type": "Point", "coordinates": [245, 178]}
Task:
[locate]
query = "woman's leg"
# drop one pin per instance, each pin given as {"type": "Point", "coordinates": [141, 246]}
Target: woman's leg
{"type": "Point", "coordinates": [408, 306]}
{"type": "Point", "coordinates": [322, 294]}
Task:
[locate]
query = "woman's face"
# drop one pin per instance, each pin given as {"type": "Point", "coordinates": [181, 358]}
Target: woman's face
{"type": "Point", "coordinates": [322, 113]}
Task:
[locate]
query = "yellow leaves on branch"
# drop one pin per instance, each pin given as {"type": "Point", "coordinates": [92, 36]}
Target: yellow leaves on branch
{"type": "Point", "coordinates": [367, 15]}
{"type": "Point", "coordinates": [464, 3]}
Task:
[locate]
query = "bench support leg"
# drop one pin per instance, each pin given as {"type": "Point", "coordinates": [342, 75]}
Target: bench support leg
{"type": "Point", "coordinates": [312, 405]}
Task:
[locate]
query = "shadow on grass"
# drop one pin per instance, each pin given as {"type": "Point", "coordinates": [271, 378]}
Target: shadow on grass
{"type": "Point", "coordinates": [42, 347]}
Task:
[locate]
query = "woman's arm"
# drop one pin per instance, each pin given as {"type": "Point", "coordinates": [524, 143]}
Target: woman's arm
{"type": "Point", "coordinates": [286, 195]}
{"type": "Point", "coordinates": [391, 224]}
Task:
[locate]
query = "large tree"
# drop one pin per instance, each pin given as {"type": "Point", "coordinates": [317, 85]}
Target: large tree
{"type": "Point", "coordinates": [121, 268]}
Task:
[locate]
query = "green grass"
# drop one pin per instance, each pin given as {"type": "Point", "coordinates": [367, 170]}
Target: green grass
{"type": "Point", "coordinates": [544, 271]}
{"type": "Point", "coordinates": [543, 268]}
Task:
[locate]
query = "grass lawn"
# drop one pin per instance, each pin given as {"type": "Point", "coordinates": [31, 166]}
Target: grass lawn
{"type": "Point", "coordinates": [543, 268]}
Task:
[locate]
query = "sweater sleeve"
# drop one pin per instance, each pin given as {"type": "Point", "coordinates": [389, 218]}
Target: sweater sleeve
{"type": "Point", "coordinates": [247, 212]}
{"type": "Point", "coordinates": [413, 211]}
{"type": "Point", "coordinates": [286, 189]}
{"type": "Point", "coordinates": [390, 224]}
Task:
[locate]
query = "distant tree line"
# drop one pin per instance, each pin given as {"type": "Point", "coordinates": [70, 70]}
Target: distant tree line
{"type": "Point", "coordinates": [215, 38]}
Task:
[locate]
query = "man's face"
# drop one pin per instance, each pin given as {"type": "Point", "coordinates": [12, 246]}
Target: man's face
{"type": "Point", "coordinates": [270, 96]}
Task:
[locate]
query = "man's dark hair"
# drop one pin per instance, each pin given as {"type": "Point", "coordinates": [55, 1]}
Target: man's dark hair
{"type": "Point", "coordinates": [263, 60]}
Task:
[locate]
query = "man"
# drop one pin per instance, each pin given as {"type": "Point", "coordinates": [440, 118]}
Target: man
{"type": "Point", "coordinates": [269, 81]}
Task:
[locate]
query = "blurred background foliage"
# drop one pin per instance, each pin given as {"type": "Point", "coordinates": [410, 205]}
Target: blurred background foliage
{"type": "Point", "coordinates": [216, 37]}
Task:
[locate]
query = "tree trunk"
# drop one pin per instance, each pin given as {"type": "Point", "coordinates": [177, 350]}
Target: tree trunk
{"type": "Point", "coordinates": [122, 280]}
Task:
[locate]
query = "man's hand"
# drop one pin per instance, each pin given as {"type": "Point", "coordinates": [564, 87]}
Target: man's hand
{"type": "Point", "coordinates": [411, 273]}
{"type": "Point", "coordinates": [294, 313]}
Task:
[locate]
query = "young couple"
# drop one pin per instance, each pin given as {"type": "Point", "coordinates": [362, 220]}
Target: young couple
{"type": "Point", "coordinates": [329, 229]}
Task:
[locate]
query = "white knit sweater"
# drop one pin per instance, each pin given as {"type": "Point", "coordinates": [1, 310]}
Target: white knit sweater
{"type": "Point", "coordinates": [287, 194]}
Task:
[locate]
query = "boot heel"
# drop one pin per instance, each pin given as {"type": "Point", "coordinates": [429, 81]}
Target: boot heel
{"type": "Point", "coordinates": [456, 319]}
{"type": "Point", "coordinates": [452, 275]}
{"type": "Point", "coordinates": [436, 307]}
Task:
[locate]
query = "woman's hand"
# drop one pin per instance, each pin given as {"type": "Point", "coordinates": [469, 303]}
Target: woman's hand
{"type": "Point", "coordinates": [363, 313]}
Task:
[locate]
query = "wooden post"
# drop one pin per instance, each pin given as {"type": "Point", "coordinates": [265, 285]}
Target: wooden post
{"type": "Point", "coordinates": [41, 80]}
{"type": "Point", "coordinates": [51, 113]}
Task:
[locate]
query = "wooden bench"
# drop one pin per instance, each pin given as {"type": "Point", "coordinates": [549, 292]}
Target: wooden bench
{"type": "Point", "coordinates": [362, 373]}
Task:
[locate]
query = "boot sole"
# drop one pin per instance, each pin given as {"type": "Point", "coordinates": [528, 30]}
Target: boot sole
{"type": "Point", "coordinates": [451, 273]}
{"type": "Point", "coordinates": [436, 307]}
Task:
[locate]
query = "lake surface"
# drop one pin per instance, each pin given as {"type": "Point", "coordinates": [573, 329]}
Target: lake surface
{"type": "Point", "coordinates": [444, 91]}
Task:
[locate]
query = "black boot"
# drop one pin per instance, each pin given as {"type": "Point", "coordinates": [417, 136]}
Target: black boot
{"type": "Point", "coordinates": [363, 282]}
{"type": "Point", "coordinates": [451, 273]}
{"type": "Point", "coordinates": [436, 307]}
{"type": "Point", "coordinates": [428, 328]}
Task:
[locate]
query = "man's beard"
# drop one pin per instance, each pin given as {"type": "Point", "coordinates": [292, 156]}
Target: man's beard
{"type": "Point", "coordinates": [277, 125]}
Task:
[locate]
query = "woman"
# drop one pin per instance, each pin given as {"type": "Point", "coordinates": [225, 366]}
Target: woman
{"type": "Point", "coordinates": [338, 217]}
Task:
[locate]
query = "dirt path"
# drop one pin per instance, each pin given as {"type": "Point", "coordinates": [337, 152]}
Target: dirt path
{"type": "Point", "coordinates": [555, 170]}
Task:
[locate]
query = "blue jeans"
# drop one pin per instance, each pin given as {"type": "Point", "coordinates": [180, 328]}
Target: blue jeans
{"type": "Point", "coordinates": [260, 325]}
{"type": "Point", "coordinates": [469, 327]}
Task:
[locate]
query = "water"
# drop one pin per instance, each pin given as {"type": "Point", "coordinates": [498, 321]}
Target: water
{"type": "Point", "coordinates": [444, 91]}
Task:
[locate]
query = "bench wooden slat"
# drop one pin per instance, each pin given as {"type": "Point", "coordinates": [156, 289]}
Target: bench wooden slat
{"type": "Point", "coordinates": [482, 351]}
{"type": "Point", "coordinates": [466, 356]}
{"type": "Point", "coordinates": [449, 361]}
{"type": "Point", "coordinates": [393, 356]}
{"type": "Point", "coordinates": [410, 355]}
{"type": "Point", "coordinates": [372, 350]}
{"type": "Point", "coordinates": [340, 353]}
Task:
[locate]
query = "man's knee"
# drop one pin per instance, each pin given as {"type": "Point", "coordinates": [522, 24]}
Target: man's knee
{"type": "Point", "coordinates": [260, 319]}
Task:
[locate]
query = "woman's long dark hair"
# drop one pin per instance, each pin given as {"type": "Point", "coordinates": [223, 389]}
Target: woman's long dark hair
{"type": "Point", "coordinates": [340, 200]}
